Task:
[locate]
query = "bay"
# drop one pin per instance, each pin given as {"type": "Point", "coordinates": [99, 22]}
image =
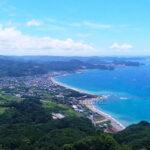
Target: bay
{"type": "Point", "coordinates": [127, 91]}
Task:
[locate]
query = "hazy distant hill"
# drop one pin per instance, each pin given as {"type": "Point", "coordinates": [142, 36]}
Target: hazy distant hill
{"type": "Point", "coordinates": [34, 65]}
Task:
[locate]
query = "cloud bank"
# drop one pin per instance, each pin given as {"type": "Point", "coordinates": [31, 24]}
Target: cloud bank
{"type": "Point", "coordinates": [14, 42]}
{"type": "Point", "coordinates": [91, 25]}
{"type": "Point", "coordinates": [123, 46]}
{"type": "Point", "coordinates": [33, 23]}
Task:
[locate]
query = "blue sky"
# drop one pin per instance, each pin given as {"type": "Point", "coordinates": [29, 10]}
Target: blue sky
{"type": "Point", "coordinates": [74, 27]}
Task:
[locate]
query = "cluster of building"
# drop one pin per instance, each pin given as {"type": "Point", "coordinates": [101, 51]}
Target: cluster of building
{"type": "Point", "coordinates": [43, 85]}
{"type": "Point", "coordinates": [40, 85]}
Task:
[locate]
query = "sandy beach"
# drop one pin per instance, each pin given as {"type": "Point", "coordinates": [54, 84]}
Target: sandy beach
{"type": "Point", "coordinates": [117, 126]}
{"type": "Point", "coordinates": [90, 104]}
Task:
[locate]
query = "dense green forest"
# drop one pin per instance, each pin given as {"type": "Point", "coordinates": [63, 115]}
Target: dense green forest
{"type": "Point", "coordinates": [137, 136]}
{"type": "Point", "coordinates": [27, 124]}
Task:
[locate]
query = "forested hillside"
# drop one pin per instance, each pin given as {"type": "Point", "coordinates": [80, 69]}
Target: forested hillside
{"type": "Point", "coordinates": [28, 124]}
{"type": "Point", "coordinates": [24, 66]}
{"type": "Point", "coordinates": [137, 136]}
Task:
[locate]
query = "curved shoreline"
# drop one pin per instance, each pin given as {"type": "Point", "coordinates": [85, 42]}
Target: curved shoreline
{"type": "Point", "coordinates": [69, 87]}
{"type": "Point", "coordinates": [89, 103]}
{"type": "Point", "coordinates": [115, 123]}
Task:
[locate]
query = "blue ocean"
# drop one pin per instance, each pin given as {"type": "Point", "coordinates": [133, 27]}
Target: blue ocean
{"type": "Point", "coordinates": [127, 91]}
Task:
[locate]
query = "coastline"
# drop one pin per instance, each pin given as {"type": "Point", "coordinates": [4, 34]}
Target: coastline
{"type": "Point", "coordinates": [69, 87]}
{"type": "Point", "coordinates": [90, 104]}
{"type": "Point", "coordinates": [117, 126]}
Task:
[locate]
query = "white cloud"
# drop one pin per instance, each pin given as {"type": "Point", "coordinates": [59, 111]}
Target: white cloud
{"type": "Point", "coordinates": [14, 42]}
{"type": "Point", "coordinates": [123, 46]}
{"type": "Point", "coordinates": [33, 23]}
{"type": "Point", "coordinates": [96, 25]}
{"type": "Point", "coordinates": [91, 25]}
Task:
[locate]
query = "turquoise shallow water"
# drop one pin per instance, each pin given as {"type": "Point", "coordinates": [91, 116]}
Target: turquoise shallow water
{"type": "Point", "coordinates": [127, 90]}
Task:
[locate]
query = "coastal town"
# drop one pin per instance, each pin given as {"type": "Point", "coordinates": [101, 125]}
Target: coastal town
{"type": "Point", "coordinates": [46, 87]}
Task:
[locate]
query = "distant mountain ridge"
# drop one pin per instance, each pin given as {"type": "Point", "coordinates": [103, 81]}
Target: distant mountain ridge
{"type": "Point", "coordinates": [32, 65]}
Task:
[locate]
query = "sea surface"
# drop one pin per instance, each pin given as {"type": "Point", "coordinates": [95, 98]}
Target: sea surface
{"type": "Point", "coordinates": [127, 91]}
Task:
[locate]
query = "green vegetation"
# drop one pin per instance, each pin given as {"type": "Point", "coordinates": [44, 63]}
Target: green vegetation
{"type": "Point", "coordinates": [136, 136]}
{"type": "Point", "coordinates": [4, 98]}
{"type": "Point", "coordinates": [27, 124]}
{"type": "Point", "coordinates": [59, 108]}
{"type": "Point", "coordinates": [2, 110]}
{"type": "Point", "coordinates": [96, 142]}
